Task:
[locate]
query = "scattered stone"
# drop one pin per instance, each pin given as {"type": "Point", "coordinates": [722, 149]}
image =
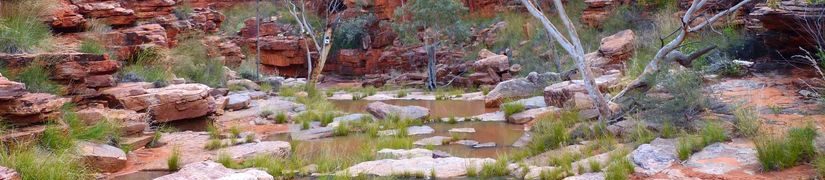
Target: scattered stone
{"type": "Point", "coordinates": [532, 114]}
{"type": "Point", "coordinates": [450, 167]}
{"type": "Point", "coordinates": [411, 131]}
{"type": "Point", "coordinates": [465, 142]}
{"type": "Point", "coordinates": [237, 101]}
{"type": "Point", "coordinates": [10, 89]}
{"type": "Point", "coordinates": [104, 158]}
{"type": "Point", "coordinates": [279, 149]}
{"type": "Point", "coordinates": [651, 159]}
{"type": "Point", "coordinates": [213, 170]}
{"type": "Point", "coordinates": [245, 83]}
{"type": "Point", "coordinates": [462, 130]}
{"type": "Point", "coordinates": [383, 110]}
{"type": "Point", "coordinates": [403, 153]}
{"type": "Point", "coordinates": [433, 141]}
{"type": "Point", "coordinates": [519, 87]}
{"type": "Point", "coordinates": [485, 145]}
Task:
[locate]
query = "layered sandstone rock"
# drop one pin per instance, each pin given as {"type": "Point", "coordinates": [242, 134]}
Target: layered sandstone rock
{"type": "Point", "coordinates": [598, 11]}
{"type": "Point", "coordinates": [110, 11]}
{"type": "Point", "coordinates": [129, 122]}
{"type": "Point", "coordinates": [66, 17]}
{"type": "Point", "coordinates": [127, 41]}
{"type": "Point", "coordinates": [384, 9]}
{"type": "Point", "coordinates": [147, 9]}
{"type": "Point", "coordinates": [81, 73]}
{"type": "Point", "coordinates": [171, 103]}
{"type": "Point", "coordinates": [558, 94]}
{"type": "Point", "coordinates": [31, 108]}
{"type": "Point", "coordinates": [788, 26]}
{"type": "Point", "coordinates": [229, 51]}
{"type": "Point", "coordinates": [383, 110]}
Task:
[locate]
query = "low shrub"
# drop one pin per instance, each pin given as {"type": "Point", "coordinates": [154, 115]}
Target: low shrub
{"type": "Point", "coordinates": [226, 160]}
{"type": "Point", "coordinates": [780, 153]}
{"type": "Point", "coordinates": [22, 29]}
{"type": "Point", "coordinates": [92, 46]}
{"type": "Point", "coordinates": [31, 162]}
{"type": "Point", "coordinates": [712, 133]}
{"type": "Point", "coordinates": [37, 79]}
{"type": "Point", "coordinates": [496, 169]}
{"type": "Point", "coordinates": [173, 162]}
{"type": "Point", "coordinates": [192, 62]}
{"type": "Point", "coordinates": [747, 121]}
{"type": "Point", "coordinates": [512, 108]}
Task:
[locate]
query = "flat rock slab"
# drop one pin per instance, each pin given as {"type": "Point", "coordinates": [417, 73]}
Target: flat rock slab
{"type": "Point", "coordinates": [208, 170]}
{"type": "Point", "coordinates": [532, 114]}
{"type": "Point", "coordinates": [411, 131]}
{"type": "Point", "coordinates": [450, 167]}
{"type": "Point", "coordinates": [348, 118]}
{"type": "Point", "coordinates": [403, 153]}
{"type": "Point", "coordinates": [314, 133]}
{"type": "Point", "coordinates": [587, 176]}
{"type": "Point", "coordinates": [383, 110]}
{"type": "Point", "coordinates": [497, 116]}
{"type": "Point", "coordinates": [102, 157]}
{"type": "Point", "coordinates": [237, 101]}
{"type": "Point", "coordinates": [721, 158]}
{"type": "Point", "coordinates": [273, 148]}
{"type": "Point", "coordinates": [433, 141]}
{"type": "Point", "coordinates": [462, 130]}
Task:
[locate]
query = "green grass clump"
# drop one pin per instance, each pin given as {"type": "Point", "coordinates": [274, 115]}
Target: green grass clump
{"type": "Point", "coordinates": [213, 144]}
{"type": "Point", "coordinates": [235, 131]}
{"type": "Point", "coordinates": [780, 153]}
{"type": "Point", "coordinates": [619, 169]}
{"type": "Point", "coordinates": [342, 129]}
{"type": "Point", "coordinates": [266, 87]}
{"type": "Point", "coordinates": [92, 46]}
{"type": "Point", "coordinates": [32, 163]}
{"type": "Point", "coordinates": [401, 93]}
{"type": "Point", "coordinates": [512, 108]}
{"type": "Point", "coordinates": [326, 118]}
{"type": "Point", "coordinates": [226, 160]}
{"type": "Point", "coordinates": [213, 131]}
{"type": "Point", "coordinates": [668, 130]}
{"type": "Point", "coordinates": [22, 29]}
{"type": "Point", "coordinates": [819, 164]}
{"type": "Point", "coordinates": [747, 121]}
{"type": "Point", "coordinates": [280, 118]}
{"type": "Point", "coordinates": [687, 145]}
{"type": "Point", "coordinates": [56, 139]}
{"type": "Point", "coordinates": [146, 65]}
{"type": "Point", "coordinates": [641, 135]}
{"type": "Point", "coordinates": [288, 91]}
{"type": "Point", "coordinates": [265, 113]}
{"type": "Point", "coordinates": [496, 169]}
{"type": "Point", "coordinates": [192, 62]}
{"type": "Point", "coordinates": [712, 133]}
{"type": "Point", "coordinates": [173, 162]}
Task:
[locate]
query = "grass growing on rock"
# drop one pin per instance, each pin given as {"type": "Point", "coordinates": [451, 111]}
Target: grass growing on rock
{"type": "Point", "coordinates": [512, 108]}
{"type": "Point", "coordinates": [146, 65]}
{"type": "Point", "coordinates": [226, 160]}
{"type": "Point", "coordinates": [37, 76]}
{"type": "Point", "coordinates": [92, 46]}
{"type": "Point", "coordinates": [193, 63]}
{"type": "Point", "coordinates": [173, 162]}
{"type": "Point", "coordinates": [22, 29]}
{"type": "Point", "coordinates": [496, 169]}
{"type": "Point", "coordinates": [32, 162]}
{"type": "Point", "coordinates": [747, 121]}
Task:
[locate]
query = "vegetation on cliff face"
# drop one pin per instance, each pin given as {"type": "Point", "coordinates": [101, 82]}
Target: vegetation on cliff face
{"type": "Point", "coordinates": [21, 30]}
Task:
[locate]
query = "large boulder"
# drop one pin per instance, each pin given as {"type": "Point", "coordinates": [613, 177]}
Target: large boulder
{"type": "Point", "coordinates": [788, 26]}
{"type": "Point", "coordinates": [10, 89]}
{"type": "Point", "coordinates": [558, 94]}
{"type": "Point", "coordinates": [451, 167]}
{"type": "Point", "coordinates": [104, 158]}
{"type": "Point", "coordinates": [383, 110]}
{"type": "Point", "coordinates": [170, 103]}
{"type": "Point", "coordinates": [721, 158]}
{"type": "Point", "coordinates": [128, 41]}
{"type": "Point", "coordinates": [31, 108]}
{"type": "Point", "coordinates": [65, 17]}
{"type": "Point", "coordinates": [618, 47]}
{"type": "Point", "coordinates": [237, 101]}
{"type": "Point", "coordinates": [652, 159]}
{"type": "Point", "coordinates": [519, 88]}
{"type": "Point", "coordinates": [208, 170]}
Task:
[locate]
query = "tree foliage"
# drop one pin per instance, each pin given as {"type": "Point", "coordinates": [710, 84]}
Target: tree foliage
{"type": "Point", "coordinates": [439, 19]}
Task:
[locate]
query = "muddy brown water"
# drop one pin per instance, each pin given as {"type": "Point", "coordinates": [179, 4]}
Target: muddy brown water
{"type": "Point", "coordinates": [503, 134]}
{"type": "Point", "coordinates": [143, 175]}
{"type": "Point", "coordinates": [438, 109]}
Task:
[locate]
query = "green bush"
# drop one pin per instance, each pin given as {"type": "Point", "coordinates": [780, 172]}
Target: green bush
{"type": "Point", "coordinates": [280, 118]}
{"type": "Point", "coordinates": [226, 160]}
{"type": "Point", "coordinates": [619, 169]}
{"type": "Point", "coordinates": [713, 133]}
{"type": "Point", "coordinates": [349, 33]}
{"type": "Point", "coordinates": [55, 139]}
{"type": "Point", "coordinates": [747, 121]}
{"type": "Point", "coordinates": [496, 169]}
{"type": "Point", "coordinates": [146, 66]}
{"type": "Point", "coordinates": [21, 29]}
{"type": "Point", "coordinates": [819, 164]}
{"type": "Point", "coordinates": [687, 145]}
{"type": "Point", "coordinates": [193, 63]}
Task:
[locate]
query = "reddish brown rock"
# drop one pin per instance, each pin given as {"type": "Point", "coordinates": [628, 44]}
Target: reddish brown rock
{"type": "Point", "coordinates": [558, 94]}
{"type": "Point", "coordinates": [111, 11]}
{"type": "Point", "coordinates": [80, 73]}
{"type": "Point", "coordinates": [228, 50]}
{"type": "Point", "coordinates": [130, 122]}
{"type": "Point", "coordinates": [9, 174]}
{"type": "Point", "coordinates": [486, 8]}
{"type": "Point", "coordinates": [66, 17]}
{"type": "Point", "coordinates": [31, 108]}
{"type": "Point", "coordinates": [171, 103]}
{"type": "Point", "coordinates": [102, 157]}
{"type": "Point", "coordinates": [146, 9]}
{"type": "Point", "coordinates": [783, 28]}
{"type": "Point", "coordinates": [127, 41]}
{"type": "Point", "coordinates": [618, 47]}
{"type": "Point", "coordinates": [384, 9]}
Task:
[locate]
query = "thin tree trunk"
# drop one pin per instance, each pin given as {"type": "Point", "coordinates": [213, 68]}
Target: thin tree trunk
{"type": "Point", "coordinates": [431, 62]}
{"type": "Point", "coordinates": [573, 47]}
{"type": "Point", "coordinates": [257, 40]}
{"type": "Point", "coordinates": [323, 57]}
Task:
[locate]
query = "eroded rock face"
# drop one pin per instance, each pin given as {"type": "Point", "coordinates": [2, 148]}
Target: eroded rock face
{"type": "Point", "coordinates": [170, 103]}
{"type": "Point", "coordinates": [618, 47]}
{"type": "Point", "coordinates": [652, 159]}
{"type": "Point", "coordinates": [383, 110]}
{"type": "Point", "coordinates": [110, 11]}
{"type": "Point", "coordinates": [598, 11]}
{"type": "Point", "coordinates": [104, 158]}
{"type": "Point", "coordinates": [82, 74]}
{"type": "Point", "coordinates": [66, 17]}
{"type": "Point", "coordinates": [451, 167]}
{"type": "Point", "coordinates": [127, 41]}
{"type": "Point", "coordinates": [720, 158]}
{"type": "Point", "coordinates": [784, 27]}
{"type": "Point", "coordinates": [212, 170]}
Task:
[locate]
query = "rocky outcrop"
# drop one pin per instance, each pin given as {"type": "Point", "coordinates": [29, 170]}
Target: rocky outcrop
{"type": "Point", "coordinates": [213, 170]}
{"type": "Point", "coordinates": [533, 114]}
{"type": "Point", "coordinates": [171, 103]}
{"type": "Point", "coordinates": [558, 94]}
{"type": "Point", "coordinates": [130, 122]}
{"type": "Point", "coordinates": [110, 11]}
{"type": "Point", "coordinates": [618, 47]}
{"type": "Point", "coordinates": [127, 41]}
{"type": "Point", "coordinates": [65, 17]}
{"type": "Point", "coordinates": [102, 157]}
{"type": "Point", "coordinates": [228, 50]}
{"type": "Point", "coordinates": [384, 9]}
{"type": "Point", "coordinates": [788, 26]}
{"type": "Point", "coordinates": [721, 158]}
{"type": "Point", "coordinates": [82, 74]}
{"type": "Point", "coordinates": [519, 88]}
{"type": "Point", "coordinates": [491, 69]}
{"type": "Point", "coordinates": [383, 110]}
{"type": "Point", "coordinates": [597, 11]}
